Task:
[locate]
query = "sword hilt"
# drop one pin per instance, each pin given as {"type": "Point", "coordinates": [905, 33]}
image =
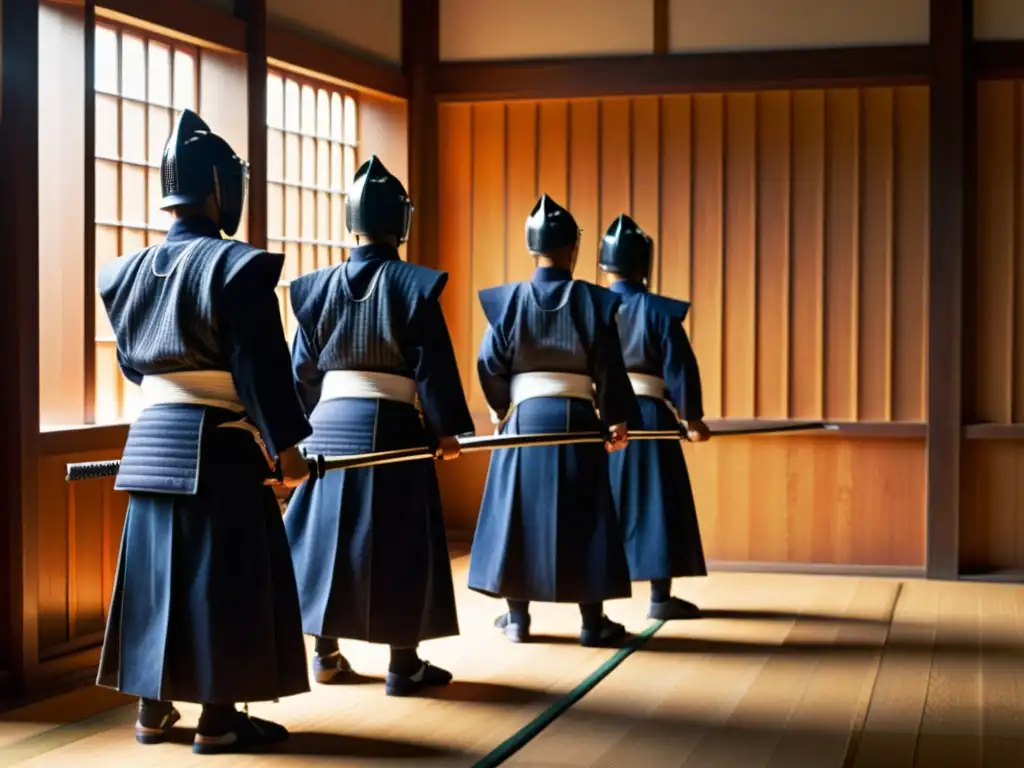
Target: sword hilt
{"type": "Point", "coordinates": [97, 470]}
{"type": "Point", "coordinates": [91, 470]}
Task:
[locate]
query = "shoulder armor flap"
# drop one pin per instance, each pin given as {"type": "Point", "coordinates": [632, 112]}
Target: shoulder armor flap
{"type": "Point", "coordinates": [426, 283]}
{"type": "Point", "coordinates": [606, 303]}
{"type": "Point", "coordinates": [243, 261]}
{"type": "Point", "coordinates": [494, 302]}
{"type": "Point", "coordinates": [306, 294]}
{"type": "Point", "coordinates": [112, 271]}
{"type": "Point", "coordinates": [674, 309]}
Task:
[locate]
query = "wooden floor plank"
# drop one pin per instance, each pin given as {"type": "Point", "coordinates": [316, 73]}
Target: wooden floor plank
{"type": "Point", "coordinates": [889, 736]}
{"type": "Point", "coordinates": [1002, 677]}
{"type": "Point", "coordinates": [785, 671]}
{"type": "Point", "coordinates": [819, 732]}
{"type": "Point", "coordinates": [950, 734]}
{"type": "Point", "coordinates": [756, 727]}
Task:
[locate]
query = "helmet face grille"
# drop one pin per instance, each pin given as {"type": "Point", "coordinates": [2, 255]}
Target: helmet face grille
{"type": "Point", "coordinates": [169, 173]}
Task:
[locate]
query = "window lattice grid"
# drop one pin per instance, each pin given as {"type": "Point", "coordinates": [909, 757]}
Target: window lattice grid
{"type": "Point", "coordinates": [142, 84]}
{"type": "Point", "coordinates": [312, 134]}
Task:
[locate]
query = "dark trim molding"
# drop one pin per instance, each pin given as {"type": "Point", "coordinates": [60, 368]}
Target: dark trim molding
{"type": "Point", "coordinates": [821, 569]}
{"type": "Point", "coordinates": [297, 50]}
{"type": "Point", "coordinates": [682, 73]}
{"type": "Point", "coordinates": [89, 204]}
{"type": "Point", "coordinates": [999, 59]}
{"type": "Point", "coordinates": [994, 432]}
{"type": "Point", "coordinates": [182, 17]}
{"type": "Point", "coordinates": [208, 25]}
{"type": "Point", "coordinates": [951, 244]}
{"type": "Point", "coordinates": [108, 437]}
{"type": "Point", "coordinates": [996, 576]}
{"type": "Point", "coordinates": [421, 20]}
{"type": "Point", "coordinates": [253, 13]}
{"type": "Point", "coordinates": [19, 344]}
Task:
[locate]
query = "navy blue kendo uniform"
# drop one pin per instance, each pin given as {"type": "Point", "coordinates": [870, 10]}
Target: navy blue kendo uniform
{"type": "Point", "coordinates": [649, 478]}
{"type": "Point", "coordinates": [373, 351]}
{"type": "Point", "coordinates": [547, 528]}
{"type": "Point", "coordinates": [204, 607]}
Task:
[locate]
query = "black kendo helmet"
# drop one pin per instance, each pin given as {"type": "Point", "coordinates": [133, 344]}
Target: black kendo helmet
{"type": "Point", "coordinates": [377, 203]}
{"type": "Point", "coordinates": [550, 227]}
{"type": "Point", "coordinates": [197, 163]}
{"type": "Point", "coordinates": [625, 249]}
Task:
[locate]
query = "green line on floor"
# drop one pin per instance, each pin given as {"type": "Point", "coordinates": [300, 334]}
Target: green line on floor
{"type": "Point", "coordinates": [531, 730]}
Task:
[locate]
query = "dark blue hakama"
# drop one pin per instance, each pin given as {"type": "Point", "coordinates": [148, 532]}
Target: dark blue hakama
{"type": "Point", "coordinates": [204, 606]}
{"type": "Point", "coordinates": [649, 479]}
{"type": "Point", "coordinates": [547, 528]}
{"type": "Point", "coordinates": [369, 545]}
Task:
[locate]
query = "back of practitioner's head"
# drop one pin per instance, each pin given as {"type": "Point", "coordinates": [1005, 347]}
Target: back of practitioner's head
{"type": "Point", "coordinates": [626, 251]}
{"type": "Point", "coordinates": [201, 175]}
{"type": "Point", "coordinates": [377, 206]}
{"type": "Point", "coordinates": [552, 235]}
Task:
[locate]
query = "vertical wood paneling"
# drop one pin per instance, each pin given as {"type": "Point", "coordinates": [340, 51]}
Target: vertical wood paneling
{"type": "Point", "coordinates": [807, 243]}
{"type": "Point", "coordinates": [455, 248]}
{"type": "Point", "coordinates": [585, 182]}
{"type": "Point", "coordinates": [796, 224]}
{"type": "Point", "coordinates": [842, 240]}
{"type": "Point", "coordinates": [1017, 354]}
{"type": "Point", "coordinates": [739, 282]}
{"type": "Point", "coordinates": [989, 393]}
{"type": "Point", "coordinates": [773, 254]}
{"type": "Point", "coordinates": [674, 268]}
{"type": "Point", "coordinates": [553, 150]}
{"type": "Point", "coordinates": [78, 538]}
{"type": "Point", "coordinates": [706, 315]}
{"type": "Point", "coordinates": [645, 175]}
{"type": "Point", "coordinates": [875, 283]}
{"type": "Point", "coordinates": [488, 220]}
{"type": "Point", "coordinates": [521, 164]}
{"type": "Point", "coordinates": [910, 277]}
{"type": "Point", "coordinates": [616, 167]}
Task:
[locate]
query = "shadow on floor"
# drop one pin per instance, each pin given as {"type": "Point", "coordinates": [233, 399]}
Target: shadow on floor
{"type": "Point", "coordinates": [354, 678]}
{"type": "Point", "coordinates": [743, 614]}
{"type": "Point", "coordinates": [488, 693]}
{"type": "Point", "coordinates": [752, 738]}
{"type": "Point", "coordinates": [955, 646]}
{"type": "Point", "coordinates": [339, 745]}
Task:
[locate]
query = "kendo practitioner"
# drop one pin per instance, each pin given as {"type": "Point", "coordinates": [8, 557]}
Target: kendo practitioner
{"type": "Point", "coordinates": [649, 479]}
{"type": "Point", "coordinates": [371, 353]}
{"type": "Point", "coordinates": [204, 607]}
{"type": "Point", "coordinates": [547, 529]}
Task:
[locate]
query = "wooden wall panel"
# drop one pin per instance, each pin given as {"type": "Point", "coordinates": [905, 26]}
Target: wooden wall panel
{"type": "Point", "coordinates": [796, 223]}
{"type": "Point", "coordinates": [78, 532]}
{"type": "Point", "coordinates": [992, 508]}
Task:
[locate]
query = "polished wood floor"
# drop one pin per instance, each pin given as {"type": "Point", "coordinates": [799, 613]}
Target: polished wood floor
{"type": "Point", "coordinates": [785, 672]}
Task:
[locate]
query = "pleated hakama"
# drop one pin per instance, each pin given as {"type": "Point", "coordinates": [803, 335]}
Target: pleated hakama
{"type": "Point", "coordinates": [547, 529]}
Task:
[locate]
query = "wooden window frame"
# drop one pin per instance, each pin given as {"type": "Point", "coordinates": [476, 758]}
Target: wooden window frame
{"type": "Point", "coordinates": [120, 225]}
{"type": "Point", "coordinates": [324, 252]}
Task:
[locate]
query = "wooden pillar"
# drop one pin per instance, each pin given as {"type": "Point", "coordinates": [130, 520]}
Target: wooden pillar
{"type": "Point", "coordinates": [420, 54]}
{"type": "Point", "coordinates": [19, 312]}
{"type": "Point", "coordinates": [952, 243]}
{"type": "Point", "coordinates": [254, 14]}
